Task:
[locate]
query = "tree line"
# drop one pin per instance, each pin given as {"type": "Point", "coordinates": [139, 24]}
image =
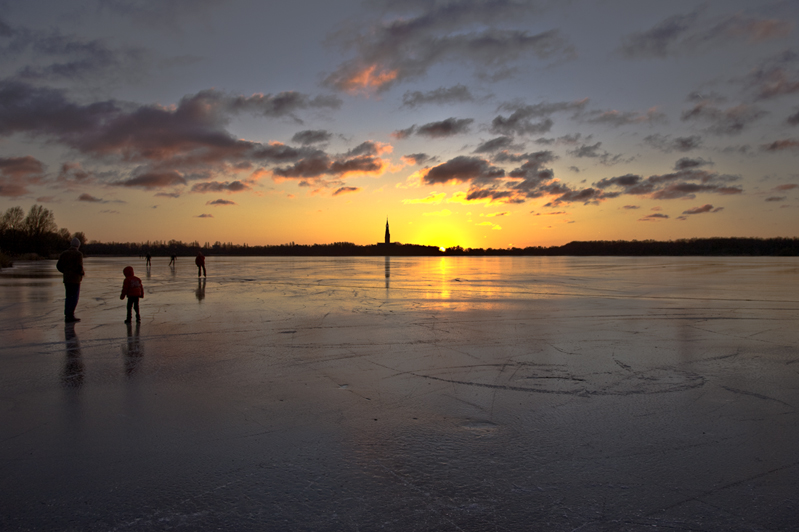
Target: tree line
{"type": "Point", "coordinates": [619, 248]}
{"type": "Point", "coordinates": [33, 233]}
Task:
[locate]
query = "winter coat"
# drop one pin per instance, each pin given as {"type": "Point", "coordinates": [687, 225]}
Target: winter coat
{"type": "Point", "coordinates": [132, 287]}
{"type": "Point", "coordinates": [70, 263]}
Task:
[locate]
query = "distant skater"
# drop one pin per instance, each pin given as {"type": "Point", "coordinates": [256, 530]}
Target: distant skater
{"type": "Point", "coordinates": [70, 263]}
{"type": "Point", "coordinates": [148, 258]}
{"type": "Point", "coordinates": [134, 290]}
{"type": "Point", "coordinates": [200, 262]}
{"type": "Point", "coordinates": [173, 260]}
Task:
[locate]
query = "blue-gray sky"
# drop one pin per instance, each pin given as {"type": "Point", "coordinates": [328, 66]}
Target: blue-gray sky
{"type": "Point", "coordinates": [479, 123]}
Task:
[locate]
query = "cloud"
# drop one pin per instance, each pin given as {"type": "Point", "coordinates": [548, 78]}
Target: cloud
{"type": "Point", "coordinates": [444, 128]}
{"type": "Point", "coordinates": [495, 144]}
{"type": "Point", "coordinates": [168, 194]}
{"type": "Point", "coordinates": [793, 120]}
{"type": "Point", "coordinates": [667, 144]}
{"type": "Point", "coordinates": [787, 186]}
{"type": "Point", "coordinates": [220, 202]}
{"type": "Point", "coordinates": [730, 121]}
{"type": "Point", "coordinates": [152, 180]}
{"type": "Point", "coordinates": [776, 198]}
{"type": "Point", "coordinates": [191, 133]}
{"type": "Point", "coordinates": [531, 119]}
{"type": "Point", "coordinates": [775, 77]}
{"type": "Point", "coordinates": [615, 118]}
{"type": "Point", "coordinates": [703, 209]}
{"type": "Point", "coordinates": [311, 136]}
{"type": "Point", "coordinates": [462, 169]}
{"type": "Point", "coordinates": [631, 207]}
{"type": "Point", "coordinates": [346, 190]}
{"type": "Point", "coordinates": [781, 145]}
{"type": "Point", "coordinates": [405, 47]}
{"type": "Point", "coordinates": [687, 163]}
{"type": "Point", "coordinates": [444, 95]}
{"type": "Point", "coordinates": [89, 198]}
{"type": "Point", "coordinates": [217, 186]}
{"type": "Point", "coordinates": [363, 160]}
{"type": "Point", "coordinates": [687, 34]}
{"type": "Point", "coordinates": [593, 152]}
{"type": "Point", "coordinates": [19, 173]}
{"type": "Point", "coordinates": [681, 184]}
{"type": "Point", "coordinates": [418, 158]}
{"type": "Point", "coordinates": [656, 217]}
{"type": "Point", "coordinates": [204, 216]}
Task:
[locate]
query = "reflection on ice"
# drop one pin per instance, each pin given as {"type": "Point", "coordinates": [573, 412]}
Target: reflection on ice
{"type": "Point", "coordinates": [405, 394]}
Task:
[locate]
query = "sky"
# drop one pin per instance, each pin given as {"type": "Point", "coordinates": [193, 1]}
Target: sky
{"type": "Point", "coordinates": [479, 123]}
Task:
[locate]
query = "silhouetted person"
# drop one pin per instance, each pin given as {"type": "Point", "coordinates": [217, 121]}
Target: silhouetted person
{"type": "Point", "coordinates": [200, 262]}
{"type": "Point", "coordinates": [133, 288]}
{"type": "Point", "coordinates": [70, 263]}
{"type": "Point", "coordinates": [72, 377]}
{"type": "Point", "coordinates": [200, 293]}
{"type": "Point", "coordinates": [148, 258]}
{"type": "Point", "coordinates": [173, 260]}
{"type": "Point", "coordinates": [133, 351]}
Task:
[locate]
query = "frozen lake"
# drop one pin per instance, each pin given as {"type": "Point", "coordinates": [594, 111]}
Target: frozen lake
{"type": "Point", "coordinates": [408, 394]}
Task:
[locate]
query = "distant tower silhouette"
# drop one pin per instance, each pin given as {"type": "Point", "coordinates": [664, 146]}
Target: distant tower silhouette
{"type": "Point", "coordinates": [388, 235]}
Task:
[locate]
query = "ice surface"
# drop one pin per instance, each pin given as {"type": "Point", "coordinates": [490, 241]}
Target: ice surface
{"type": "Point", "coordinates": [406, 394]}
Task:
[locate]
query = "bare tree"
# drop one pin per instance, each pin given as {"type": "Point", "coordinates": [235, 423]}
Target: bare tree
{"type": "Point", "coordinates": [12, 219]}
{"type": "Point", "coordinates": [39, 222]}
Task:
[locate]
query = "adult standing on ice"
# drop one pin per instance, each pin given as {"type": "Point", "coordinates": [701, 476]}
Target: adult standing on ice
{"type": "Point", "coordinates": [200, 262]}
{"type": "Point", "coordinates": [70, 263]}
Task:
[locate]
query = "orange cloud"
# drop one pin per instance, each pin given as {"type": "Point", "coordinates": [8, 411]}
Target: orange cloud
{"type": "Point", "coordinates": [368, 78]}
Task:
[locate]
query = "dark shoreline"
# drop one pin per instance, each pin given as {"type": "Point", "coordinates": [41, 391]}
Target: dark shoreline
{"type": "Point", "coordinates": [723, 247]}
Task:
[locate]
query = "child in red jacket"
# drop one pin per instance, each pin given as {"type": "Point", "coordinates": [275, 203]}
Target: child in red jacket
{"type": "Point", "coordinates": [132, 288]}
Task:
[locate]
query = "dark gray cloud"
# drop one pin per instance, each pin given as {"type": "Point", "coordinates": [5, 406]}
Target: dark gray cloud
{"type": "Point", "coordinates": [776, 198]}
{"type": "Point", "coordinates": [463, 169]}
{"type": "Point", "coordinates": [346, 190]}
{"type": "Point", "coordinates": [686, 34]}
{"type": "Point", "coordinates": [775, 77]}
{"type": "Point", "coordinates": [668, 144]}
{"type": "Point", "coordinates": [404, 133]}
{"type": "Point", "coordinates": [686, 163]}
{"type": "Point", "coordinates": [681, 184]}
{"type": "Point", "coordinates": [153, 180]}
{"type": "Point", "coordinates": [311, 136]}
{"type": "Point", "coordinates": [495, 144]}
{"type": "Point", "coordinates": [782, 145]}
{"type": "Point", "coordinates": [531, 119]}
{"type": "Point", "coordinates": [204, 216]}
{"type": "Point", "coordinates": [165, 14]}
{"type": "Point", "coordinates": [89, 198]}
{"type": "Point", "coordinates": [622, 118]}
{"type": "Point", "coordinates": [656, 217]}
{"type": "Point", "coordinates": [445, 128]}
{"type": "Point", "coordinates": [217, 186]}
{"type": "Point", "coordinates": [703, 209]}
{"type": "Point", "coordinates": [19, 173]}
{"type": "Point", "coordinates": [444, 95]}
{"type": "Point", "coordinates": [405, 47]}
{"type": "Point", "coordinates": [364, 159]}
{"type": "Point", "coordinates": [793, 119]}
{"type": "Point", "coordinates": [594, 151]}
{"type": "Point", "coordinates": [730, 121]}
{"type": "Point", "coordinates": [418, 158]}
{"type": "Point", "coordinates": [220, 202]}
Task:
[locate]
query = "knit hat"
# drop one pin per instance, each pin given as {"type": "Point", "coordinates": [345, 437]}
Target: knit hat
{"type": "Point", "coordinates": [75, 242]}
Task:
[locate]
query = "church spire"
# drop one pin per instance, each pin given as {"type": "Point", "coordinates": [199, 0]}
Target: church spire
{"type": "Point", "coordinates": [388, 235]}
